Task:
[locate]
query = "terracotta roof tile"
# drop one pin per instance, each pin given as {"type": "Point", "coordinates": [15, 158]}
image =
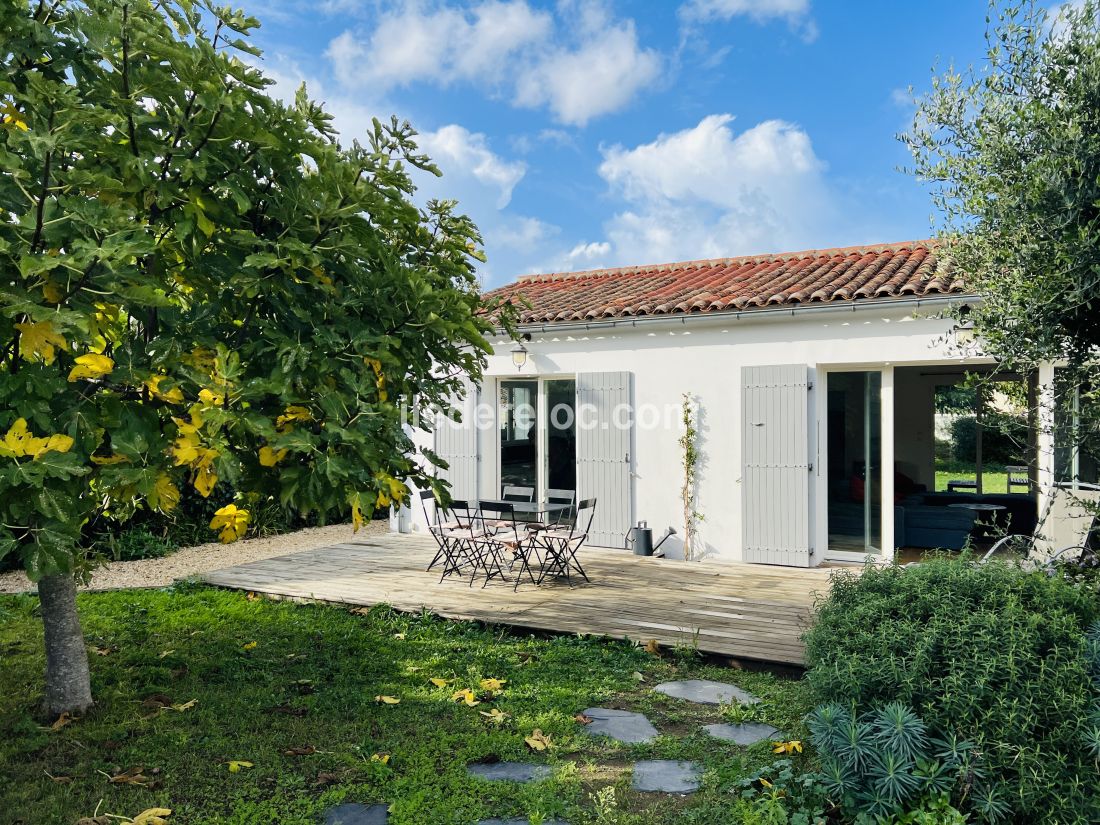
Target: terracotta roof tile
{"type": "Point", "coordinates": [857, 273]}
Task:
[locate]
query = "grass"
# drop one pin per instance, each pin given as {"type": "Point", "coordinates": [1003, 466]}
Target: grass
{"type": "Point", "coordinates": [991, 482]}
{"type": "Point", "coordinates": [310, 682]}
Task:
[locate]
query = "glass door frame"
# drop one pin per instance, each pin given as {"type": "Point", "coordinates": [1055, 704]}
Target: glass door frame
{"type": "Point", "coordinates": [542, 427]}
{"type": "Point", "coordinates": [886, 463]}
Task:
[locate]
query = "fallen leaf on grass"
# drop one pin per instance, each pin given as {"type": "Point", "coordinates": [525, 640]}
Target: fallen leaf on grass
{"type": "Point", "coordinates": [638, 676]}
{"type": "Point", "coordinates": [537, 741]}
{"type": "Point", "coordinates": [103, 651]}
{"type": "Point", "coordinates": [496, 715]}
{"type": "Point", "coordinates": [164, 654]}
{"type": "Point", "coordinates": [235, 765]}
{"type": "Point", "coordinates": [64, 719]}
{"type": "Point", "coordinates": [493, 684]}
{"type": "Point", "coordinates": [326, 778]}
{"type": "Point", "coordinates": [381, 758]}
{"type": "Point", "coordinates": [251, 595]}
{"type": "Point", "coordinates": [303, 751]}
{"type": "Point", "coordinates": [249, 645]}
{"type": "Point", "coordinates": [465, 695]}
{"type": "Point", "coordinates": [60, 780]}
{"type": "Point", "coordinates": [360, 611]}
{"type": "Point", "coordinates": [185, 706]}
{"type": "Point", "coordinates": [152, 816]}
{"type": "Point", "coordinates": [133, 776]}
{"type": "Point", "coordinates": [399, 636]}
{"type": "Point", "coordinates": [583, 719]}
{"type": "Point", "coordinates": [794, 746]}
{"type": "Point", "coordinates": [387, 700]}
{"type": "Point", "coordinates": [653, 648]}
{"type": "Point", "coordinates": [440, 682]}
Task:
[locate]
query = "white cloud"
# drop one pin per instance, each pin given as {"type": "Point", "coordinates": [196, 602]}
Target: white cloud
{"type": "Point", "coordinates": [589, 251]}
{"type": "Point", "coordinates": [442, 44]}
{"type": "Point", "coordinates": [581, 66]}
{"type": "Point", "coordinates": [708, 192]}
{"type": "Point", "coordinates": [458, 151]}
{"type": "Point", "coordinates": [521, 234]}
{"type": "Point", "coordinates": [601, 74]}
{"type": "Point", "coordinates": [795, 12]}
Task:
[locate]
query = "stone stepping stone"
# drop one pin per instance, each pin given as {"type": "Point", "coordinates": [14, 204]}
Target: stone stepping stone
{"type": "Point", "coordinates": [620, 725]}
{"type": "Point", "coordinates": [509, 771]}
{"type": "Point", "coordinates": [666, 775]}
{"type": "Point", "coordinates": [352, 813]}
{"type": "Point", "coordinates": [706, 692]}
{"type": "Point", "coordinates": [747, 734]}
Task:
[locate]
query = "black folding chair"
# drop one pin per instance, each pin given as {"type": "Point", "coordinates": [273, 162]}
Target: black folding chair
{"type": "Point", "coordinates": [511, 492]}
{"type": "Point", "coordinates": [567, 498]}
{"type": "Point", "coordinates": [500, 542]}
{"type": "Point", "coordinates": [562, 543]}
{"type": "Point", "coordinates": [452, 529]}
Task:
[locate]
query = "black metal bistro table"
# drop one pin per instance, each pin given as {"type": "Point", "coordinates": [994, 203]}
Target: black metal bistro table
{"type": "Point", "coordinates": [531, 510]}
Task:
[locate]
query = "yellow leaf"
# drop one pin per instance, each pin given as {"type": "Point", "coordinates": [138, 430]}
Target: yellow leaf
{"type": "Point", "coordinates": [185, 706]}
{"type": "Point", "coordinates": [52, 292]}
{"type": "Point", "coordinates": [62, 720]}
{"type": "Point", "coordinates": [209, 398]}
{"type": "Point", "coordinates": [765, 783]}
{"type": "Point", "coordinates": [250, 645]}
{"type": "Point", "coordinates": [357, 519]}
{"type": "Point", "coordinates": [652, 647]}
{"type": "Point", "coordinates": [440, 682]}
{"type": "Point", "coordinates": [205, 479]}
{"type": "Point", "coordinates": [496, 715]}
{"type": "Point", "coordinates": [293, 413]}
{"type": "Point", "coordinates": [465, 695]}
{"type": "Point", "coordinates": [493, 684]}
{"type": "Point", "coordinates": [185, 450]}
{"type": "Point", "coordinates": [92, 365]}
{"type": "Point", "coordinates": [235, 765]}
{"type": "Point", "coordinates": [172, 396]}
{"type": "Point", "coordinates": [231, 521]}
{"type": "Point", "coordinates": [19, 441]}
{"type": "Point", "coordinates": [270, 457]}
{"type": "Point", "coordinates": [54, 444]}
{"type": "Point", "coordinates": [537, 741]}
{"type": "Point", "coordinates": [165, 494]}
{"type": "Point", "coordinates": [387, 700]}
{"type": "Point", "coordinates": [383, 758]}
{"type": "Point", "coordinates": [104, 460]}
{"type": "Point", "coordinates": [152, 816]}
{"type": "Point", "coordinates": [40, 341]}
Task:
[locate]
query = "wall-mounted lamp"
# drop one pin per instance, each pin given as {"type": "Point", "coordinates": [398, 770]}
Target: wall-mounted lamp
{"type": "Point", "coordinates": [519, 352]}
{"type": "Point", "coordinates": [519, 356]}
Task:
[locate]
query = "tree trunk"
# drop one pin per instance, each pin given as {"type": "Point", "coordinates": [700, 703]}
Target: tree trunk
{"type": "Point", "coordinates": [68, 685]}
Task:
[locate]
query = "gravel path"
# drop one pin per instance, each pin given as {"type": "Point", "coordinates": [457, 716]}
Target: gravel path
{"type": "Point", "coordinates": [191, 561]}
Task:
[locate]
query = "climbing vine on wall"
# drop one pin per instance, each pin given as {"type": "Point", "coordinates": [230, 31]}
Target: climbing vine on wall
{"type": "Point", "coordinates": [689, 443]}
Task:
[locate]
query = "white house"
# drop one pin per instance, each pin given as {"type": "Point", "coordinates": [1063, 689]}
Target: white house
{"type": "Point", "coordinates": [810, 372]}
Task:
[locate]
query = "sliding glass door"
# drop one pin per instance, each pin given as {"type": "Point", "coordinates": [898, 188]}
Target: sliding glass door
{"type": "Point", "coordinates": [538, 434]}
{"type": "Point", "coordinates": [854, 444]}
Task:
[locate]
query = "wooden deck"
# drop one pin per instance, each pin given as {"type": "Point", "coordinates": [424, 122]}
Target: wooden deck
{"type": "Point", "coordinates": [745, 611]}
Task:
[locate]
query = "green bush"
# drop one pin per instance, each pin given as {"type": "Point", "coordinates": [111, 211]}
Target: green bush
{"type": "Point", "coordinates": [1004, 439]}
{"type": "Point", "coordinates": [991, 654]}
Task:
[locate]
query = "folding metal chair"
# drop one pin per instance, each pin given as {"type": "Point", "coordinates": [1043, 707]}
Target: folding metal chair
{"type": "Point", "coordinates": [562, 497]}
{"type": "Point", "coordinates": [562, 543]}
{"type": "Point", "coordinates": [499, 541]}
{"type": "Point", "coordinates": [452, 533]}
{"type": "Point", "coordinates": [512, 493]}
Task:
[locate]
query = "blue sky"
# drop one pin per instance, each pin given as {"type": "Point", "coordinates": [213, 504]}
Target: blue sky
{"type": "Point", "coordinates": [584, 134]}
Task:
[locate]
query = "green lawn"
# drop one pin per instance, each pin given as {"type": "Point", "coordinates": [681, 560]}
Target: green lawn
{"type": "Point", "coordinates": [310, 682]}
{"type": "Point", "coordinates": [991, 482]}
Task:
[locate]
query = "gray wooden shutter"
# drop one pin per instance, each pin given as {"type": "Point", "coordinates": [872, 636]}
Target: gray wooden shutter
{"type": "Point", "coordinates": [775, 442]}
{"type": "Point", "coordinates": [456, 443]}
{"type": "Point", "coordinates": [604, 453]}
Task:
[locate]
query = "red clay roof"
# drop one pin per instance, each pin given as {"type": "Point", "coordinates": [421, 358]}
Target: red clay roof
{"type": "Point", "coordinates": [855, 273]}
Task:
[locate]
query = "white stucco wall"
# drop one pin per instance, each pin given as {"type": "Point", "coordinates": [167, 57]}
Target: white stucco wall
{"type": "Point", "coordinates": [703, 357]}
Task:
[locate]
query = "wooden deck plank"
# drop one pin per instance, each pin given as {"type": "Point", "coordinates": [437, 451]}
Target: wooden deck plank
{"type": "Point", "coordinates": [739, 610]}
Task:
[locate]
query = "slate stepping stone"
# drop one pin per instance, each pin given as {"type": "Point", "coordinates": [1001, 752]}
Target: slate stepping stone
{"type": "Point", "coordinates": [352, 813]}
{"type": "Point", "coordinates": [666, 775]}
{"type": "Point", "coordinates": [620, 725]}
{"type": "Point", "coordinates": [509, 771]}
{"type": "Point", "coordinates": [748, 734]}
{"type": "Point", "coordinates": [706, 692]}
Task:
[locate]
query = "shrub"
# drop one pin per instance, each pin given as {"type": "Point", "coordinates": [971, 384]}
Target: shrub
{"type": "Point", "coordinates": [1004, 439]}
{"type": "Point", "coordinates": [885, 763]}
{"type": "Point", "coordinates": [990, 654]}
